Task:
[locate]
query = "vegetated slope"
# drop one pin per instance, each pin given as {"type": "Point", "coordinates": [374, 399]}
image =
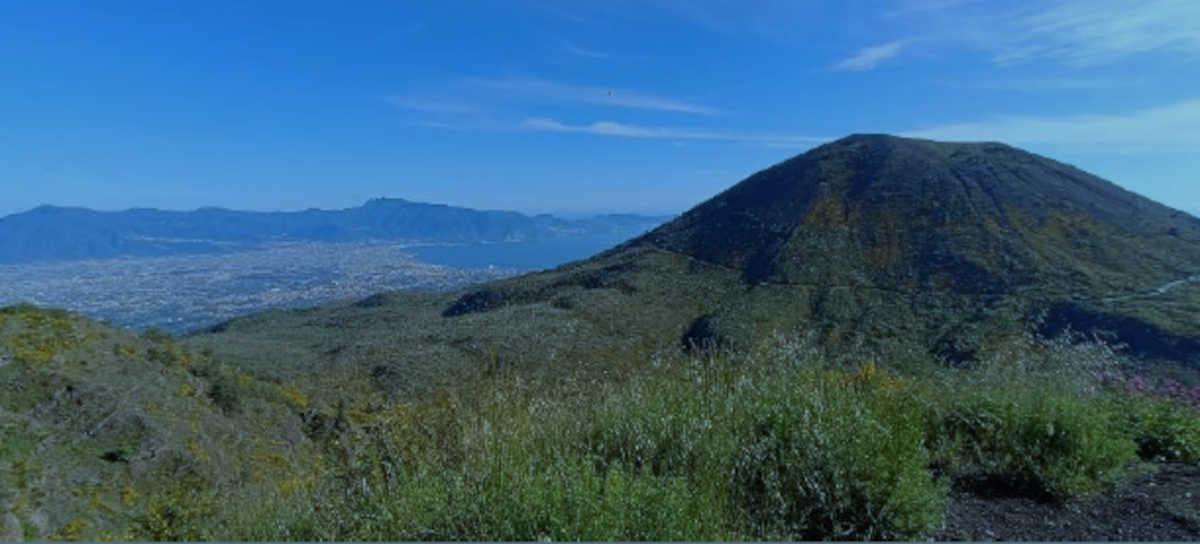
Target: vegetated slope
{"type": "Point", "coordinates": [106, 435]}
{"type": "Point", "coordinates": [55, 233]}
{"type": "Point", "coordinates": [959, 239]}
{"type": "Point", "coordinates": [905, 246]}
{"type": "Point", "coordinates": [158, 443]}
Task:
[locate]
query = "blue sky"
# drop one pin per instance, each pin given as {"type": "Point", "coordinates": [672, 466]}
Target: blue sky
{"type": "Point", "coordinates": [569, 107]}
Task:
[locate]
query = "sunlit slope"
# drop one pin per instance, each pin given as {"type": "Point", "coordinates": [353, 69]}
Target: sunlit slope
{"type": "Point", "coordinates": [104, 434]}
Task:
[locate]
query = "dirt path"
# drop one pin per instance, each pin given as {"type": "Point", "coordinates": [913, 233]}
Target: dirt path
{"type": "Point", "coordinates": [1164, 506]}
{"type": "Point", "coordinates": [1157, 292]}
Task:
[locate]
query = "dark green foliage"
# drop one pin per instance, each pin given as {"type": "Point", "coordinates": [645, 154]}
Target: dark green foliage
{"type": "Point", "coordinates": [477, 301]}
{"type": "Point", "coordinates": [836, 464]}
{"type": "Point", "coordinates": [1140, 338]}
{"type": "Point", "coordinates": [162, 356]}
{"type": "Point", "coordinates": [223, 390]}
{"type": "Point", "coordinates": [704, 335]}
{"type": "Point", "coordinates": [1162, 428]}
{"type": "Point", "coordinates": [373, 301]}
{"type": "Point", "coordinates": [120, 455]}
{"type": "Point", "coordinates": [1046, 440]}
{"type": "Point", "coordinates": [157, 336]}
{"type": "Point", "coordinates": [182, 511]}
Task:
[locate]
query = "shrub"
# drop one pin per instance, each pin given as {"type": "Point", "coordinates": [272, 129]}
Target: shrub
{"type": "Point", "coordinates": [1163, 429]}
{"type": "Point", "coordinates": [478, 301]}
{"type": "Point", "coordinates": [225, 393]}
{"type": "Point", "coordinates": [571, 500]}
{"type": "Point", "coordinates": [166, 354]}
{"type": "Point", "coordinates": [157, 336]}
{"type": "Point", "coordinates": [667, 431]}
{"type": "Point", "coordinates": [831, 459]}
{"type": "Point", "coordinates": [1043, 439]}
{"type": "Point", "coordinates": [182, 511]}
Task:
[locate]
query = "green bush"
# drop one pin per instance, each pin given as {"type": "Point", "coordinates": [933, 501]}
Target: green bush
{"type": "Point", "coordinates": [225, 393]}
{"type": "Point", "coordinates": [832, 460]}
{"type": "Point", "coordinates": [571, 500]}
{"type": "Point", "coordinates": [1045, 439]}
{"type": "Point", "coordinates": [182, 511]}
{"type": "Point", "coordinates": [1162, 428]}
{"type": "Point", "coordinates": [668, 433]}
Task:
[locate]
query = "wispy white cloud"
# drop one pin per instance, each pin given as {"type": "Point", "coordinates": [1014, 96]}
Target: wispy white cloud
{"type": "Point", "coordinates": [579, 51]}
{"type": "Point", "coordinates": [1094, 32]}
{"type": "Point", "coordinates": [922, 7]}
{"type": "Point", "coordinates": [871, 57]}
{"type": "Point", "coordinates": [1074, 32]}
{"type": "Point", "coordinates": [430, 105]}
{"type": "Point", "coordinates": [565, 92]}
{"type": "Point", "coordinates": [556, 9]}
{"type": "Point", "coordinates": [1172, 127]}
{"type": "Point", "coordinates": [609, 128]}
{"type": "Point", "coordinates": [441, 125]}
{"type": "Point", "coordinates": [1049, 84]}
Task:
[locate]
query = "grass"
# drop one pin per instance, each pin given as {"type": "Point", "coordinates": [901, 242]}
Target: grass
{"type": "Point", "coordinates": [777, 445]}
{"type": "Point", "coordinates": [1041, 439]}
{"type": "Point", "coordinates": [1164, 429]}
{"type": "Point", "coordinates": [792, 439]}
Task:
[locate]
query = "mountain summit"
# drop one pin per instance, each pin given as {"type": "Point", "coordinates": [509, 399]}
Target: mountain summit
{"type": "Point", "coordinates": [897, 213]}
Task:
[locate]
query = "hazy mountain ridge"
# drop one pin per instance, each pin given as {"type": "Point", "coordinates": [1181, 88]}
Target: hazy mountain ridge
{"type": "Point", "coordinates": [56, 233]}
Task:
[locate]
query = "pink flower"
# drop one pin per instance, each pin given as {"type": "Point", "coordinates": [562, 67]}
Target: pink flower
{"type": "Point", "coordinates": [1137, 384]}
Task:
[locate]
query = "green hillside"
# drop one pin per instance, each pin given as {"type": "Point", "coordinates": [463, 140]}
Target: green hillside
{"type": "Point", "coordinates": [105, 435]}
{"type": "Point", "coordinates": [111, 436]}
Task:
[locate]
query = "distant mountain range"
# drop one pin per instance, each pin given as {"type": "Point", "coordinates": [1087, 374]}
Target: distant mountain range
{"type": "Point", "coordinates": [50, 233]}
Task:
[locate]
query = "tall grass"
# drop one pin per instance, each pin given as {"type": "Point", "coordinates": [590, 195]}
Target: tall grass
{"type": "Point", "coordinates": [778, 444]}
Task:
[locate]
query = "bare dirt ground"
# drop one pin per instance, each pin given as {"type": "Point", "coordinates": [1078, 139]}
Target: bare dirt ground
{"type": "Point", "coordinates": [1163, 506]}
